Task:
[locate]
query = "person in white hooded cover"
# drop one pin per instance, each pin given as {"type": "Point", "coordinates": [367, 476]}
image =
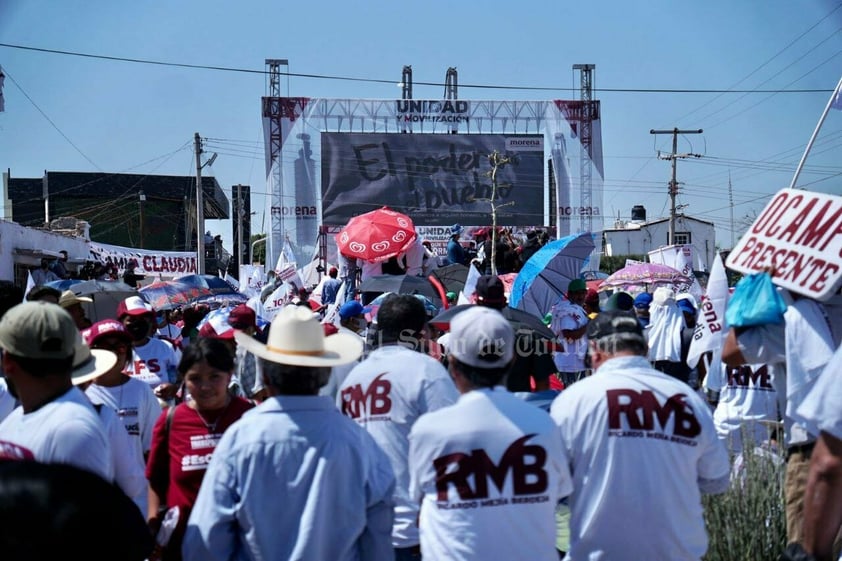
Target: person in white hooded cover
{"type": "Point", "coordinates": [666, 322]}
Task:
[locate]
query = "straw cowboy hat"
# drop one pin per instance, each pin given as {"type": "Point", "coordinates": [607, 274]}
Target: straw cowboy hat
{"type": "Point", "coordinates": [297, 338]}
{"type": "Point", "coordinates": [89, 364]}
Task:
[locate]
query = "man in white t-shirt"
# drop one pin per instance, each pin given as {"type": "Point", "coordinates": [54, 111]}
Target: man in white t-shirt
{"type": "Point", "coordinates": [129, 464]}
{"type": "Point", "coordinates": [154, 360]}
{"type": "Point", "coordinates": [132, 399]}
{"type": "Point", "coordinates": [388, 391]}
{"type": "Point", "coordinates": [490, 469]}
{"type": "Point", "coordinates": [642, 449]}
{"type": "Point", "coordinates": [747, 406]}
{"type": "Point", "coordinates": [821, 410]}
{"type": "Point", "coordinates": [55, 422]}
{"type": "Point", "coordinates": [414, 258]}
{"type": "Point", "coordinates": [369, 269]}
{"type": "Point", "coordinates": [798, 351]}
{"type": "Point", "coordinates": [569, 322]}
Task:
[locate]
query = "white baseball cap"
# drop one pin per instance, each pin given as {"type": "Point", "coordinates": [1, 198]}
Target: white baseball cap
{"type": "Point", "coordinates": [134, 306]}
{"type": "Point", "coordinates": [481, 337]}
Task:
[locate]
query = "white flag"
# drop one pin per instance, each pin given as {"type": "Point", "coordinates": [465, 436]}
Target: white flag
{"type": "Point", "coordinates": [255, 304]}
{"type": "Point", "coordinates": [251, 280]}
{"type": "Point", "coordinates": [467, 294]}
{"type": "Point", "coordinates": [30, 283]}
{"type": "Point", "coordinates": [278, 299]}
{"type": "Point", "coordinates": [286, 260]}
{"type": "Point", "coordinates": [232, 282]}
{"type": "Point", "coordinates": [710, 327]}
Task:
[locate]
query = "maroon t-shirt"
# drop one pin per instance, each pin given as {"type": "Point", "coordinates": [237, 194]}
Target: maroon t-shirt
{"type": "Point", "coordinates": [176, 471]}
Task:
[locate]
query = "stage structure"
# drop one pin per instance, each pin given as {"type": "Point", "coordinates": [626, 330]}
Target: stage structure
{"type": "Point", "coordinates": [330, 159]}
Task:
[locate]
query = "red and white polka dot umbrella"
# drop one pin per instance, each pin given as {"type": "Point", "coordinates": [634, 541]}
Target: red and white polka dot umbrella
{"type": "Point", "coordinates": [376, 236]}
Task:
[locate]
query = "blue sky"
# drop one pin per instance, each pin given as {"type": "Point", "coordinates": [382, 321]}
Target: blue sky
{"type": "Point", "coordinates": [67, 113]}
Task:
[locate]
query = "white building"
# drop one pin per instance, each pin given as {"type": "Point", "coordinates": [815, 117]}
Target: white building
{"type": "Point", "coordinates": [639, 237]}
{"type": "Point", "coordinates": [22, 248]}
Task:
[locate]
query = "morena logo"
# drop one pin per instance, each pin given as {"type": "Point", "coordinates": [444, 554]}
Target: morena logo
{"type": "Point", "coordinates": [579, 211]}
{"type": "Point", "coordinates": [374, 400]}
{"type": "Point", "coordinates": [640, 409]}
{"type": "Point", "coordinates": [294, 211]}
{"type": "Point", "coordinates": [525, 463]}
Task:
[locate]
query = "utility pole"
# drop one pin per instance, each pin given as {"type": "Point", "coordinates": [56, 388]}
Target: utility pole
{"type": "Point", "coordinates": [240, 215]}
{"type": "Point", "coordinates": [140, 201]}
{"type": "Point", "coordinates": [200, 208]}
{"type": "Point", "coordinates": [673, 189]}
{"type": "Point", "coordinates": [731, 204]}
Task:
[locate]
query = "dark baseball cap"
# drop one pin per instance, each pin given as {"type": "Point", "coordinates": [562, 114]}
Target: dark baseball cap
{"type": "Point", "coordinates": [614, 322]}
{"type": "Point", "coordinates": [577, 285]}
{"type": "Point", "coordinates": [619, 301]}
{"type": "Point", "coordinates": [490, 290]}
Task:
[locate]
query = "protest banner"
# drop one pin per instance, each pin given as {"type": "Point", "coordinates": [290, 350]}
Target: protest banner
{"type": "Point", "coordinates": [435, 179]}
{"type": "Point", "coordinates": [798, 236]}
{"type": "Point", "coordinates": [161, 264]}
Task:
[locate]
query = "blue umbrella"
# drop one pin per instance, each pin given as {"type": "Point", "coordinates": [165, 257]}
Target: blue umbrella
{"type": "Point", "coordinates": [545, 276]}
{"type": "Point", "coordinates": [63, 285]}
{"type": "Point", "coordinates": [210, 282]}
{"type": "Point", "coordinates": [222, 300]}
{"type": "Point", "coordinates": [219, 318]}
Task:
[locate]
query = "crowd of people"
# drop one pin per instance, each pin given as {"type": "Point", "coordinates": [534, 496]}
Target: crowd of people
{"type": "Point", "coordinates": [508, 250]}
{"type": "Point", "coordinates": [374, 434]}
{"type": "Point", "coordinates": [52, 269]}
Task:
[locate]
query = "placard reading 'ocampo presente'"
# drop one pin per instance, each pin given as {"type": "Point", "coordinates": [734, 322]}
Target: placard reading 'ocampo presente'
{"type": "Point", "coordinates": [799, 236]}
{"type": "Point", "coordinates": [436, 179]}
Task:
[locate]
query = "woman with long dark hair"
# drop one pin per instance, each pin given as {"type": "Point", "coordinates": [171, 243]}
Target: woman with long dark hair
{"type": "Point", "coordinates": [184, 437]}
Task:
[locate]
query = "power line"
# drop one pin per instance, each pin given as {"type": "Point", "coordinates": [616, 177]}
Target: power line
{"type": "Point", "coordinates": [773, 57]}
{"type": "Point", "coordinates": [742, 111]}
{"type": "Point", "coordinates": [55, 126]}
{"type": "Point", "coordinates": [390, 82]}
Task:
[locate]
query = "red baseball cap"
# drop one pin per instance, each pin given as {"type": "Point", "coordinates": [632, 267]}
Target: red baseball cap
{"type": "Point", "coordinates": [242, 317]}
{"type": "Point", "coordinates": [105, 328]}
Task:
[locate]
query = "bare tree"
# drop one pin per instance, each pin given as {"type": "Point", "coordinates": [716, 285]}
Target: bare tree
{"type": "Point", "coordinates": [497, 162]}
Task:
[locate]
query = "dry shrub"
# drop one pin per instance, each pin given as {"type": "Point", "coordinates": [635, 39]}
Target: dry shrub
{"type": "Point", "coordinates": [748, 523]}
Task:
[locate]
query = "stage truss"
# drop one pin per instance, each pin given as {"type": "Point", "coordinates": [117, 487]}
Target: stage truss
{"type": "Point", "coordinates": [292, 126]}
